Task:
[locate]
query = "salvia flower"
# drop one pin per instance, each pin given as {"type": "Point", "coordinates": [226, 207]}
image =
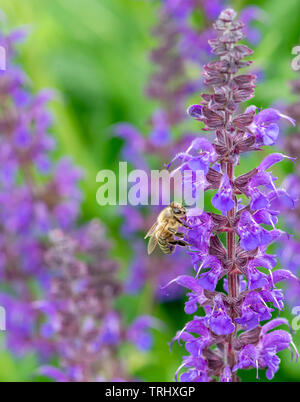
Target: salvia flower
{"type": "Point", "coordinates": [264, 353]}
{"type": "Point", "coordinates": [223, 199]}
{"type": "Point", "coordinates": [235, 294]}
{"type": "Point", "coordinates": [251, 234]}
{"type": "Point", "coordinates": [265, 125]}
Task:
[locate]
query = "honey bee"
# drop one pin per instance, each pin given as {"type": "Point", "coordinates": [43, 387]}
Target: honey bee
{"type": "Point", "coordinates": [165, 229]}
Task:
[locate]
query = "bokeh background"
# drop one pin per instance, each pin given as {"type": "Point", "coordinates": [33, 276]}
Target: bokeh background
{"type": "Point", "coordinates": [95, 54]}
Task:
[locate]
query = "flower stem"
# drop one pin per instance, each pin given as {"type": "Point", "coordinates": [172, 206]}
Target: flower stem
{"type": "Point", "coordinates": [233, 278]}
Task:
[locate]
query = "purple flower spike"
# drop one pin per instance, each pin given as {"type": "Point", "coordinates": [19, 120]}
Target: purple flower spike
{"type": "Point", "coordinates": [228, 250]}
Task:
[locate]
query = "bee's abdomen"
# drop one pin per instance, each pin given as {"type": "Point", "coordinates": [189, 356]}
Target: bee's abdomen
{"type": "Point", "coordinates": [165, 247]}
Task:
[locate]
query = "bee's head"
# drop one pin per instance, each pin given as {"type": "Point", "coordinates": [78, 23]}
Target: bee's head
{"type": "Point", "coordinates": [178, 210]}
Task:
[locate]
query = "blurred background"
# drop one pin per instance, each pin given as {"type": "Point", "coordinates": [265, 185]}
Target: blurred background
{"type": "Point", "coordinates": [95, 54]}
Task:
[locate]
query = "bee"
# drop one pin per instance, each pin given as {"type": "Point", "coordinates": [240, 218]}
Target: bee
{"type": "Point", "coordinates": [165, 229]}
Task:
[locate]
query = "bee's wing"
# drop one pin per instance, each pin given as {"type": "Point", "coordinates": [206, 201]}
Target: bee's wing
{"type": "Point", "coordinates": [154, 238]}
{"type": "Point", "coordinates": [151, 230]}
{"type": "Point", "coordinates": [152, 244]}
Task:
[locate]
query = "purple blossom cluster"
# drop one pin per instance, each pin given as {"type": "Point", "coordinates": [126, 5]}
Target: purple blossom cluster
{"type": "Point", "coordinates": [35, 196]}
{"type": "Point", "coordinates": [79, 317]}
{"type": "Point", "coordinates": [235, 281]}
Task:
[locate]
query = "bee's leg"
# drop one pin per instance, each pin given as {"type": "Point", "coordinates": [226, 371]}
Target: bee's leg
{"type": "Point", "coordinates": [181, 243]}
{"type": "Point", "coordinates": [179, 234]}
{"type": "Point", "coordinates": [186, 226]}
{"type": "Point", "coordinates": [182, 223]}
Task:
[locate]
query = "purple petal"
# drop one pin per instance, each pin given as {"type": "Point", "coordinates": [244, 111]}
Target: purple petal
{"type": "Point", "coordinates": [271, 159]}
{"type": "Point", "coordinates": [270, 134]}
{"type": "Point", "coordinates": [195, 111]}
{"type": "Point", "coordinates": [54, 373]}
{"type": "Point", "coordinates": [186, 281]}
